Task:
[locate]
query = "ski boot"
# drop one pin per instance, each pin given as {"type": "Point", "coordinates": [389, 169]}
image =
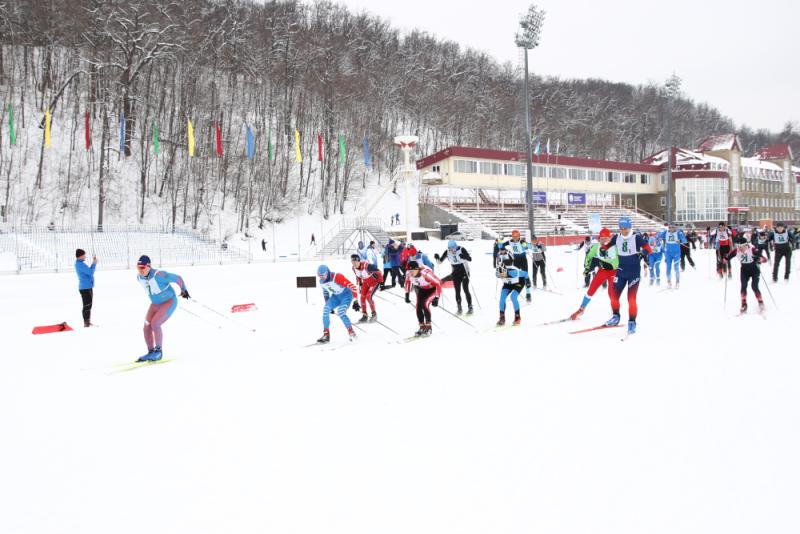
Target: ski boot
{"type": "Point", "coordinates": [669, 284]}
{"type": "Point", "coordinates": [152, 356]}
{"type": "Point", "coordinates": [426, 330]}
{"type": "Point", "coordinates": [364, 318]}
{"type": "Point", "coordinates": [631, 327]}
{"type": "Point", "coordinates": [517, 319]}
{"type": "Point", "coordinates": [677, 284]}
{"type": "Point", "coordinates": [502, 319]}
{"type": "Point", "coordinates": [374, 317]}
{"type": "Point", "coordinates": [351, 333]}
{"type": "Point", "coordinates": [577, 314]}
{"type": "Point", "coordinates": [326, 336]}
{"type": "Point", "coordinates": [470, 311]}
{"type": "Point", "coordinates": [421, 331]}
{"type": "Point", "coordinates": [652, 281]}
{"type": "Point", "coordinates": [614, 321]}
{"type": "Point", "coordinates": [459, 310]}
{"type": "Point", "coordinates": [658, 281]}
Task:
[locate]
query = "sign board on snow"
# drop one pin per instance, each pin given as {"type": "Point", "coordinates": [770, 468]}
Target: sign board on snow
{"type": "Point", "coordinates": [539, 197]}
{"type": "Point", "coordinates": [576, 198]}
{"type": "Point", "coordinates": [306, 281]}
{"type": "Point", "coordinates": [594, 223]}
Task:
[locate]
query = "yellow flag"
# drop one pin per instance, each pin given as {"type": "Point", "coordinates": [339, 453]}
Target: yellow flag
{"type": "Point", "coordinates": [298, 156]}
{"type": "Point", "coordinates": [191, 138]}
{"type": "Point", "coordinates": [47, 127]}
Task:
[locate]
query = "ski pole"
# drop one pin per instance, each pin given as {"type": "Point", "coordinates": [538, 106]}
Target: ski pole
{"type": "Point", "coordinates": [190, 312]}
{"type": "Point", "coordinates": [209, 308]}
{"type": "Point", "coordinates": [725, 298]}
{"type": "Point", "coordinates": [457, 317]}
{"type": "Point", "coordinates": [769, 291]}
{"type": "Point", "coordinates": [474, 292]}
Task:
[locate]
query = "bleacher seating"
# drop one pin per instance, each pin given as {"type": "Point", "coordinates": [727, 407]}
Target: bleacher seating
{"type": "Point", "coordinates": [40, 249]}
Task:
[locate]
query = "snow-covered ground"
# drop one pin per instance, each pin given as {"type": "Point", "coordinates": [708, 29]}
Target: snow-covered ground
{"type": "Point", "coordinates": [690, 426]}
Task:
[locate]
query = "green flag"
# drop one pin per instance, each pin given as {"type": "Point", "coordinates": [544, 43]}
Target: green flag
{"type": "Point", "coordinates": [155, 138]}
{"type": "Point", "coordinates": [12, 135]}
{"type": "Point", "coordinates": [341, 149]}
{"type": "Point", "coordinates": [269, 144]}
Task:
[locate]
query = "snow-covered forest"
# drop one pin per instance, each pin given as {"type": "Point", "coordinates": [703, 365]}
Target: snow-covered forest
{"type": "Point", "coordinates": [273, 69]}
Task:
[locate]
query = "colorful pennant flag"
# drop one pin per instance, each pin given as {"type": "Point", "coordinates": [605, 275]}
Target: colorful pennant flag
{"type": "Point", "coordinates": [298, 156]}
{"type": "Point", "coordinates": [219, 140]}
{"type": "Point", "coordinates": [87, 132]}
{"type": "Point", "coordinates": [558, 146]}
{"type": "Point", "coordinates": [155, 138]}
{"type": "Point", "coordinates": [319, 147]}
{"type": "Point", "coordinates": [548, 146]}
{"type": "Point", "coordinates": [366, 152]}
{"type": "Point", "coordinates": [250, 144]}
{"type": "Point", "coordinates": [12, 134]}
{"type": "Point", "coordinates": [341, 149]}
{"type": "Point", "coordinates": [190, 134]}
{"type": "Point", "coordinates": [47, 128]}
{"type": "Point", "coordinates": [122, 133]}
{"type": "Point", "coordinates": [536, 150]}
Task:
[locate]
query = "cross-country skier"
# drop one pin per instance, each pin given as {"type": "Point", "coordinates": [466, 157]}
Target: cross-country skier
{"type": "Point", "coordinates": [428, 289]}
{"type": "Point", "coordinates": [654, 259]}
{"type": "Point", "coordinates": [538, 261]}
{"type": "Point", "coordinates": [586, 244]}
{"type": "Point", "coordinates": [750, 257]}
{"type": "Point", "coordinates": [631, 246]}
{"type": "Point", "coordinates": [761, 241]}
{"type": "Point", "coordinates": [513, 282]}
{"type": "Point", "coordinates": [338, 292]}
{"type": "Point", "coordinates": [722, 241]}
{"type": "Point", "coordinates": [686, 254]}
{"type": "Point", "coordinates": [369, 279]}
{"type": "Point", "coordinates": [782, 239]}
{"type": "Point", "coordinates": [673, 238]}
{"type": "Point", "coordinates": [163, 303]}
{"type": "Point", "coordinates": [606, 255]}
{"type": "Point", "coordinates": [459, 260]}
{"type": "Point", "coordinates": [519, 248]}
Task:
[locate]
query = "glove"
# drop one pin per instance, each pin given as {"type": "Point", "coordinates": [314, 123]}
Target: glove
{"type": "Point", "coordinates": [585, 272]}
{"type": "Point", "coordinates": [763, 259]}
{"type": "Point", "coordinates": [436, 257]}
{"type": "Point", "coordinates": [435, 302]}
{"type": "Point", "coordinates": [356, 306]}
{"type": "Point", "coordinates": [185, 294]}
{"type": "Point", "coordinates": [408, 299]}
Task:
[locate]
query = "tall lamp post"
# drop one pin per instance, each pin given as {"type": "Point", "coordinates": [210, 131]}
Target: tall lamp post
{"type": "Point", "coordinates": [530, 26]}
{"type": "Point", "coordinates": [673, 87]}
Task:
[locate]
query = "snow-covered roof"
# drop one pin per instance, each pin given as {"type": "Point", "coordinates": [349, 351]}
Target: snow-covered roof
{"type": "Point", "coordinates": [720, 142]}
{"type": "Point", "coordinates": [685, 157]}
{"type": "Point", "coordinates": [762, 169]}
{"type": "Point", "coordinates": [783, 151]}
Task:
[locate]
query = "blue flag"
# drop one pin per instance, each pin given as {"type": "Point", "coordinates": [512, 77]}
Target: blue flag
{"type": "Point", "coordinates": [122, 133]}
{"type": "Point", "coordinates": [536, 150]}
{"type": "Point", "coordinates": [366, 152]}
{"type": "Point", "coordinates": [250, 144]}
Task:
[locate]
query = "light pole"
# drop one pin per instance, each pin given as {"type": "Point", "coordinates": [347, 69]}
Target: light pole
{"type": "Point", "coordinates": [673, 87]}
{"type": "Point", "coordinates": [527, 37]}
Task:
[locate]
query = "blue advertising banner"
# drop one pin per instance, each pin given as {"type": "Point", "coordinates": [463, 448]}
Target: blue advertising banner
{"type": "Point", "coordinates": [539, 197]}
{"type": "Point", "coordinates": [576, 198]}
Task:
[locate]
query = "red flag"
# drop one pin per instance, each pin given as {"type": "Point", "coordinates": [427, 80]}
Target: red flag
{"type": "Point", "coordinates": [88, 133]}
{"type": "Point", "coordinates": [319, 146]}
{"type": "Point", "coordinates": [219, 140]}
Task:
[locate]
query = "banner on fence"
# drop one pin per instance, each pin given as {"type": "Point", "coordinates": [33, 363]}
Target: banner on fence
{"type": "Point", "coordinates": [576, 198]}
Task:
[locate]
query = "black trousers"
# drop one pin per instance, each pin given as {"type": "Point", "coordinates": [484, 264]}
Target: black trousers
{"type": "Point", "coordinates": [86, 297]}
{"type": "Point", "coordinates": [396, 276]}
{"type": "Point", "coordinates": [460, 280]}
{"type": "Point", "coordinates": [424, 298]}
{"type": "Point", "coordinates": [782, 252]}
{"type": "Point", "coordinates": [753, 275]}
{"type": "Point", "coordinates": [722, 252]}
{"type": "Point", "coordinates": [537, 266]}
{"type": "Point", "coordinates": [686, 254]}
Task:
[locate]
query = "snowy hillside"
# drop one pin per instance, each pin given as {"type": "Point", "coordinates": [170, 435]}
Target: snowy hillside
{"type": "Point", "coordinates": [689, 426]}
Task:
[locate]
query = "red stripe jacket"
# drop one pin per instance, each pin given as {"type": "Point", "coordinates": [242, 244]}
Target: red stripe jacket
{"type": "Point", "coordinates": [424, 280]}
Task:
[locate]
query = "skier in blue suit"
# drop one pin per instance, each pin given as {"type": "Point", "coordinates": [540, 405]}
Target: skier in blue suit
{"type": "Point", "coordinates": [631, 246]}
{"type": "Point", "coordinates": [672, 238]}
{"type": "Point", "coordinates": [654, 259]}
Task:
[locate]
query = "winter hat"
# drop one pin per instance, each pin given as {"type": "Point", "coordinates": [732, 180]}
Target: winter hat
{"type": "Point", "coordinates": [452, 244]}
{"type": "Point", "coordinates": [605, 232]}
{"type": "Point", "coordinates": [412, 265]}
{"type": "Point", "coordinates": [143, 260]}
{"type": "Point", "coordinates": [80, 252]}
{"type": "Point", "coordinates": [625, 222]}
{"type": "Point", "coordinates": [323, 272]}
{"type": "Point", "coordinates": [355, 257]}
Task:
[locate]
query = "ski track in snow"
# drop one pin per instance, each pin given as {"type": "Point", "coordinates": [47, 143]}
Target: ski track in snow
{"type": "Point", "coordinates": [689, 427]}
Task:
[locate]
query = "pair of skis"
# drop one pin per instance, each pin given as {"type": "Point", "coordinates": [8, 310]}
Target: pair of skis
{"type": "Point", "coordinates": [584, 330]}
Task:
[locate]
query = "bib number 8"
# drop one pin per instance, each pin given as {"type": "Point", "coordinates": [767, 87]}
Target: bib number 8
{"type": "Point", "coordinates": [624, 246]}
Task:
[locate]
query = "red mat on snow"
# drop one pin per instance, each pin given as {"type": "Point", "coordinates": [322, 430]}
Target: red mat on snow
{"type": "Point", "coordinates": [236, 308]}
{"type": "Point", "coordinates": [448, 284]}
{"type": "Point", "coordinates": [49, 329]}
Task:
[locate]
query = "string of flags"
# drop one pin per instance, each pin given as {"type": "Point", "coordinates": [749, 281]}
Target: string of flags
{"type": "Point", "coordinates": [250, 139]}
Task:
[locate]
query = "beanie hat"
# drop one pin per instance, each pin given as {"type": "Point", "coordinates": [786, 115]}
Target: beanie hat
{"type": "Point", "coordinates": [80, 252]}
{"type": "Point", "coordinates": [143, 260]}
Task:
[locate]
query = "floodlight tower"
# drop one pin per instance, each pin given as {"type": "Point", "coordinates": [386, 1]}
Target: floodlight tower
{"type": "Point", "coordinates": [407, 143]}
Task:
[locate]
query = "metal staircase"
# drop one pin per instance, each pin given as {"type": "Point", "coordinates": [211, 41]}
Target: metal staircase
{"type": "Point", "coordinates": [349, 232]}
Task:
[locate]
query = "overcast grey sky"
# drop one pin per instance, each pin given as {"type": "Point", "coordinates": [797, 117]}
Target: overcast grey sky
{"type": "Point", "coordinates": [741, 57]}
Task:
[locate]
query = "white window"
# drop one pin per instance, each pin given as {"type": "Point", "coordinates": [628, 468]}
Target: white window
{"type": "Point", "coordinates": [577, 174]}
{"type": "Point", "coordinates": [539, 171]}
{"type": "Point", "coordinates": [515, 169]}
{"type": "Point", "coordinates": [629, 178]}
{"type": "Point", "coordinates": [663, 201]}
{"type": "Point", "coordinates": [466, 166]}
{"type": "Point", "coordinates": [558, 172]}
{"type": "Point", "coordinates": [596, 176]}
{"type": "Point", "coordinates": [663, 179]}
{"type": "Point", "coordinates": [644, 179]}
{"type": "Point", "coordinates": [613, 177]}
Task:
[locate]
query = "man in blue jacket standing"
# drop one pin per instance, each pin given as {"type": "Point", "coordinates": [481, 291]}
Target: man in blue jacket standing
{"type": "Point", "coordinates": [85, 284]}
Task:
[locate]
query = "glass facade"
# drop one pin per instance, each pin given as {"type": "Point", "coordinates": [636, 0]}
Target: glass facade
{"type": "Point", "coordinates": [701, 199]}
